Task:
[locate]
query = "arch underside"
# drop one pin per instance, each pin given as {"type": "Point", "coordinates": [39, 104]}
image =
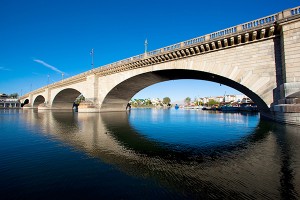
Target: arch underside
{"type": "Point", "coordinates": [65, 99]}
{"type": "Point", "coordinates": [38, 100]}
{"type": "Point", "coordinates": [119, 96]}
{"type": "Point", "coordinates": [26, 102]}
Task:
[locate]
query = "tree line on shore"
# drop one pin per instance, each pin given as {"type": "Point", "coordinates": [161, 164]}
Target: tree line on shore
{"type": "Point", "coordinates": [166, 101]}
{"type": "Point", "coordinates": [10, 96]}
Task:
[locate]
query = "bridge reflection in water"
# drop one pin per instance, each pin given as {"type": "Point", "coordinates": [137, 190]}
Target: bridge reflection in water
{"type": "Point", "coordinates": [260, 164]}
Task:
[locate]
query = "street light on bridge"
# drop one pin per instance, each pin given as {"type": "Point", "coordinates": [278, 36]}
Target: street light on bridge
{"type": "Point", "coordinates": [146, 45]}
{"type": "Point", "coordinates": [92, 54]}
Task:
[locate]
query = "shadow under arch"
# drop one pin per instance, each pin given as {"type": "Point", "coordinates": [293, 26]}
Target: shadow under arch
{"type": "Point", "coordinates": [38, 100]}
{"type": "Point", "coordinates": [109, 141]}
{"type": "Point", "coordinates": [119, 96]}
{"type": "Point", "coordinates": [120, 128]}
{"type": "Point", "coordinates": [65, 99]}
{"type": "Point", "coordinates": [26, 101]}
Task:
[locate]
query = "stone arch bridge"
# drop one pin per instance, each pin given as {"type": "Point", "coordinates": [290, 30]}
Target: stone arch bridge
{"type": "Point", "coordinates": [259, 58]}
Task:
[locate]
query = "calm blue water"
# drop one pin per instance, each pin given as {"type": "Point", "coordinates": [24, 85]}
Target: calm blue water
{"type": "Point", "coordinates": [146, 154]}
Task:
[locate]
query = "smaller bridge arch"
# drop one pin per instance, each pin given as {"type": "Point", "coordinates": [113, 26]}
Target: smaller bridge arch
{"type": "Point", "coordinates": [65, 98]}
{"type": "Point", "coordinates": [38, 100]}
{"type": "Point", "coordinates": [25, 102]}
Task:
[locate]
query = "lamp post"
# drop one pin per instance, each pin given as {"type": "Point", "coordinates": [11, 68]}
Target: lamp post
{"type": "Point", "coordinates": [92, 54]}
{"type": "Point", "coordinates": [146, 46]}
{"type": "Point", "coordinates": [48, 79]}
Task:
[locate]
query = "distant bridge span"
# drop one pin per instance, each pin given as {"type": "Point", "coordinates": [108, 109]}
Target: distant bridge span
{"type": "Point", "coordinates": [259, 58]}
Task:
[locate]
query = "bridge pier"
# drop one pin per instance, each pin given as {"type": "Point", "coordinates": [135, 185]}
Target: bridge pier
{"type": "Point", "coordinates": [87, 106]}
{"type": "Point", "coordinates": [287, 108]}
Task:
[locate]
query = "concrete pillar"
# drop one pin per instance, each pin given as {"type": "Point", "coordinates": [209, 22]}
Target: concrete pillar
{"type": "Point", "coordinates": [254, 35]}
{"type": "Point", "coordinates": [213, 45]}
{"type": "Point", "coordinates": [30, 100]}
{"type": "Point", "coordinates": [271, 31]}
{"type": "Point", "coordinates": [225, 43]}
{"type": "Point", "coordinates": [219, 44]}
{"type": "Point", "coordinates": [207, 37]}
{"type": "Point", "coordinates": [231, 41]}
{"type": "Point", "coordinates": [47, 96]}
{"type": "Point", "coordinates": [202, 48]}
{"type": "Point", "coordinates": [92, 93]}
{"type": "Point", "coordinates": [207, 47]}
{"type": "Point", "coordinates": [262, 33]}
{"type": "Point", "coordinates": [239, 39]}
{"type": "Point", "coordinates": [290, 45]}
{"type": "Point", "coordinates": [246, 37]}
{"type": "Point", "coordinates": [91, 103]}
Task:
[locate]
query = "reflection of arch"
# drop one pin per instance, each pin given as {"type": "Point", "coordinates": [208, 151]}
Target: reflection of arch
{"type": "Point", "coordinates": [106, 137]}
{"type": "Point", "coordinates": [38, 100]}
{"type": "Point", "coordinates": [25, 102]}
{"type": "Point", "coordinates": [65, 99]}
{"type": "Point", "coordinates": [119, 96]}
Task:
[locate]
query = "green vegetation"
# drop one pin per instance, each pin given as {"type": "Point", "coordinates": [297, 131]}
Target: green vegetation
{"type": "Point", "coordinates": [13, 96]}
{"type": "Point", "coordinates": [197, 102]}
{"type": "Point", "coordinates": [150, 103]}
{"type": "Point", "coordinates": [187, 100]}
{"type": "Point", "coordinates": [79, 99]}
{"type": "Point", "coordinates": [166, 100]}
{"type": "Point", "coordinates": [212, 102]}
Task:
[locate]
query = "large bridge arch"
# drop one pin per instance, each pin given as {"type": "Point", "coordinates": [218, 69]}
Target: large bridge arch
{"type": "Point", "coordinates": [118, 96]}
{"type": "Point", "coordinates": [65, 98]}
{"type": "Point", "coordinates": [241, 67]}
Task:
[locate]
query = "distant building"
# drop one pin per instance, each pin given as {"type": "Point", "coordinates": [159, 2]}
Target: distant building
{"type": "Point", "coordinates": [230, 98]}
{"type": "Point", "coordinates": [219, 99]}
{"type": "Point", "coordinates": [6, 102]}
{"type": "Point", "coordinates": [156, 102]}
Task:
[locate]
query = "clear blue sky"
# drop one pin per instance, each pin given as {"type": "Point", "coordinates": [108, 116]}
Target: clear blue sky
{"type": "Point", "coordinates": [47, 37]}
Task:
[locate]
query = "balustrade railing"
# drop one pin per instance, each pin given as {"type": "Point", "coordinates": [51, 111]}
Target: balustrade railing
{"type": "Point", "coordinates": [295, 11]}
{"type": "Point", "coordinates": [194, 41]}
{"type": "Point", "coordinates": [138, 57]}
{"type": "Point", "coordinates": [223, 32]}
{"type": "Point", "coordinates": [172, 47]}
{"type": "Point", "coordinates": [260, 22]}
{"type": "Point", "coordinates": [151, 53]}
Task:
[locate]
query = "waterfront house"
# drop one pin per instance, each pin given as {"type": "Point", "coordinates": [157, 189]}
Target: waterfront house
{"type": "Point", "coordinates": [7, 102]}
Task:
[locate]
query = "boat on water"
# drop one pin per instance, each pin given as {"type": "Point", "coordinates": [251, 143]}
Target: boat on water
{"type": "Point", "coordinates": [230, 109]}
{"type": "Point", "coordinates": [248, 107]}
{"type": "Point", "coordinates": [213, 107]}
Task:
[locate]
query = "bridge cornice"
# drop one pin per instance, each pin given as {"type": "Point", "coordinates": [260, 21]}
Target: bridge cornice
{"type": "Point", "coordinates": [230, 41]}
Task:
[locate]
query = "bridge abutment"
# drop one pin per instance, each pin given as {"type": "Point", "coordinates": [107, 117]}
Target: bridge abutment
{"type": "Point", "coordinates": [286, 105]}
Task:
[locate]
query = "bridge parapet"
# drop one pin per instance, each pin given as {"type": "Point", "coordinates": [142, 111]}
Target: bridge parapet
{"type": "Point", "coordinates": [259, 22]}
{"type": "Point", "coordinates": [295, 11]}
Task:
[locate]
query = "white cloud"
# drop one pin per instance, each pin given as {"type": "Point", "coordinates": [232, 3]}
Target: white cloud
{"type": "Point", "coordinates": [49, 66]}
{"type": "Point", "coordinates": [4, 69]}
